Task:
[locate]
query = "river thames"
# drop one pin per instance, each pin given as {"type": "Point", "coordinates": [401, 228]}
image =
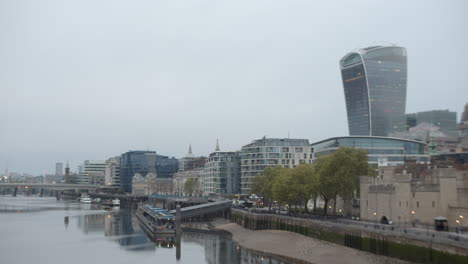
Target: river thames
{"type": "Point", "coordinates": [44, 230]}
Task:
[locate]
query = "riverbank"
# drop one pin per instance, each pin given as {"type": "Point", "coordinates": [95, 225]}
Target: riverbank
{"type": "Point", "coordinates": [298, 247]}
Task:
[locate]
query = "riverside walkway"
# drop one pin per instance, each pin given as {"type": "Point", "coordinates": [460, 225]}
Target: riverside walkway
{"type": "Point", "coordinates": [459, 240]}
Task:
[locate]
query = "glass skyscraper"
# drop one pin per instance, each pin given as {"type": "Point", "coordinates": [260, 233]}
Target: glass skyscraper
{"type": "Point", "coordinates": [374, 81]}
{"type": "Point", "coordinates": [144, 162]}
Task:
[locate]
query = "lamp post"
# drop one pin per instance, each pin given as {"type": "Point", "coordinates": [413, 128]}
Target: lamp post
{"type": "Point", "coordinates": [461, 224]}
{"type": "Point", "coordinates": [412, 217]}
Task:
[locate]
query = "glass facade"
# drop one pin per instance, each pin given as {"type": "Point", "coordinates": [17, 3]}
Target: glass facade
{"type": "Point", "coordinates": [444, 119]}
{"type": "Point", "coordinates": [144, 162]}
{"type": "Point", "coordinates": [374, 81]}
{"type": "Point", "coordinates": [393, 150]}
{"type": "Point", "coordinates": [222, 173]}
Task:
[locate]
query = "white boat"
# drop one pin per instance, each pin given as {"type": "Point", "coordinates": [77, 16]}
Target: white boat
{"type": "Point", "coordinates": [85, 199]}
{"type": "Point", "coordinates": [116, 202]}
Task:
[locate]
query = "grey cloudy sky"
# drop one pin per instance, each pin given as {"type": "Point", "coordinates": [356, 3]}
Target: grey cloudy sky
{"type": "Point", "coordinates": [91, 79]}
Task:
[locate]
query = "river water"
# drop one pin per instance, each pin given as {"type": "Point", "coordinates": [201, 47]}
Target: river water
{"type": "Point", "coordinates": [44, 230]}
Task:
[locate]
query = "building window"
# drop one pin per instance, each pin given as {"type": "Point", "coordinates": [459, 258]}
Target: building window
{"type": "Point", "coordinates": [400, 203]}
{"type": "Point", "coordinates": [433, 204]}
{"type": "Point", "coordinates": [406, 203]}
{"type": "Point", "coordinates": [414, 194]}
{"type": "Point", "coordinates": [417, 204]}
{"type": "Point", "coordinates": [367, 203]}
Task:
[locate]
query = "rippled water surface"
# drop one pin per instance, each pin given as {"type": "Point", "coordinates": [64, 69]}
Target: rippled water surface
{"type": "Point", "coordinates": [44, 230]}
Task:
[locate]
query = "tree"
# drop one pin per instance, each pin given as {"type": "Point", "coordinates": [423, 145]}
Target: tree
{"type": "Point", "coordinates": [263, 183]}
{"type": "Point", "coordinates": [352, 163]}
{"type": "Point", "coordinates": [283, 188]}
{"type": "Point", "coordinates": [328, 182]}
{"type": "Point", "coordinates": [304, 182]}
{"type": "Point", "coordinates": [339, 174]}
{"type": "Point", "coordinates": [189, 186]}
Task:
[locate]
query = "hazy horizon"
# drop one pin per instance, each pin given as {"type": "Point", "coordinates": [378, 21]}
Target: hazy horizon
{"type": "Point", "coordinates": [89, 80]}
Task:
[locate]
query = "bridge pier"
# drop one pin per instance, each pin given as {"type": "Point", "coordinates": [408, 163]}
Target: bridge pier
{"type": "Point", "coordinates": [15, 190]}
{"type": "Point", "coordinates": [57, 195]}
{"type": "Point", "coordinates": [41, 193]}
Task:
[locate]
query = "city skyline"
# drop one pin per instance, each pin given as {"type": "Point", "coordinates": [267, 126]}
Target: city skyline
{"type": "Point", "coordinates": [161, 77]}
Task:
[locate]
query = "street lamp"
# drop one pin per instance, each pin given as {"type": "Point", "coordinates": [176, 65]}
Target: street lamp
{"type": "Point", "coordinates": [412, 218]}
{"type": "Point", "coordinates": [461, 218]}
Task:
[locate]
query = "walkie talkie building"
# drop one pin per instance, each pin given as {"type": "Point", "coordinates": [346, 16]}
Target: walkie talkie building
{"type": "Point", "coordinates": [374, 81]}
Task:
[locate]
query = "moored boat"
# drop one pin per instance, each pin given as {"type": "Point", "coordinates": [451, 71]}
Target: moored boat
{"type": "Point", "coordinates": [85, 199]}
{"type": "Point", "coordinates": [156, 221]}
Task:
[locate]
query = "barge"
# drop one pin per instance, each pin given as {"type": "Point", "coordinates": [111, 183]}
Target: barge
{"type": "Point", "coordinates": [156, 222]}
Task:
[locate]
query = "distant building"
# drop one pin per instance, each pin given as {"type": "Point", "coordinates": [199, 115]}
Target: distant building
{"type": "Point", "coordinates": [90, 172]}
{"type": "Point", "coordinates": [382, 151]}
{"type": "Point", "coordinates": [190, 162]}
{"type": "Point", "coordinates": [138, 185]}
{"type": "Point", "coordinates": [67, 174]}
{"type": "Point", "coordinates": [144, 162]}
{"type": "Point", "coordinates": [271, 152]}
{"type": "Point", "coordinates": [148, 185]}
{"type": "Point", "coordinates": [132, 162]}
{"type": "Point", "coordinates": [374, 81]}
{"type": "Point", "coordinates": [415, 194]}
{"type": "Point", "coordinates": [463, 126]}
{"type": "Point", "coordinates": [222, 173]}
{"type": "Point", "coordinates": [444, 119]}
{"type": "Point", "coordinates": [59, 170]}
{"type": "Point", "coordinates": [421, 132]}
{"type": "Point", "coordinates": [181, 177]}
{"type": "Point", "coordinates": [112, 172]}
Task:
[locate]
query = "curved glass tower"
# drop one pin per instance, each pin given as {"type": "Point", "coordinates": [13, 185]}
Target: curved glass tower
{"type": "Point", "coordinates": [374, 81]}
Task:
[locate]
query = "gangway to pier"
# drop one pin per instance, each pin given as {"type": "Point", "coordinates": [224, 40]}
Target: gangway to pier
{"type": "Point", "coordinates": [204, 209]}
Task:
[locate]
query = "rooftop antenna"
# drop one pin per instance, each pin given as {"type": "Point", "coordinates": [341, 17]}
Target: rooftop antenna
{"type": "Point", "coordinates": [217, 145]}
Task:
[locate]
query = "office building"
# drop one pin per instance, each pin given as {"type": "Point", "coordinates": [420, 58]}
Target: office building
{"type": "Point", "coordinates": [374, 81]}
{"type": "Point", "coordinates": [382, 151]}
{"type": "Point", "coordinates": [270, 152]}
{"type": "Point", "coordinates": [444, 119]}
{"type": "Point", "coordinates": [463, 126]}
{"type": "Point", "coordinates": [144, 162]}
{"type": "Point", "coordinates": [222, 173]}
{"type": "Point", "coordinates": [112, 172]}
{"type": "Point", "coordinates": [90, 172]}
{"type": "Point", "coordinates": [59, 170]}
{"type": "Point", "coordinates": [132, 162]}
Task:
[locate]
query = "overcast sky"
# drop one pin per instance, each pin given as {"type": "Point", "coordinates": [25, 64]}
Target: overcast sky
{"type": "Point", "coordinates": [91, 79]}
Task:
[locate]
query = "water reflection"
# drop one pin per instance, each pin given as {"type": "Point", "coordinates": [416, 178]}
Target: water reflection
{"type": "Point", "coordinates": [124, 228]}
{"type": "Point", "coordinates": [64, 228]}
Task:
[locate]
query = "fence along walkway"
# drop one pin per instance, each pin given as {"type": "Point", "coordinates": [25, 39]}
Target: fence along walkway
{"type": "Point", "coordinates": [204, 209]}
